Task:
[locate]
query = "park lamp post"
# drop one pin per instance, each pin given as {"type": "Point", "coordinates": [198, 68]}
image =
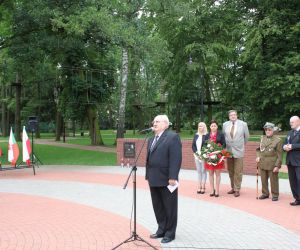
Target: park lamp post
{"type": "Point", "coordinates": [201, 80]}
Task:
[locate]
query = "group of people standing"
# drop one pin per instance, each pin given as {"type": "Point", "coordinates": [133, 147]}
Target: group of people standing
{"type": "Point", "coordinates": [233, 137]}
{"type": "Point", "coordinates": [164, 158]}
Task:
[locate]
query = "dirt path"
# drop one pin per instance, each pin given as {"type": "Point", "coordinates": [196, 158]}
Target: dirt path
{"type": "Point", "coordinates": [67, 145]}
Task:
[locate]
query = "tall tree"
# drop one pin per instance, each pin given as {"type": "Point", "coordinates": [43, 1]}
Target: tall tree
{"type": "Point", "coordinates": [271, 61]}
{"type": "Point", "coordinates": [207, 33]}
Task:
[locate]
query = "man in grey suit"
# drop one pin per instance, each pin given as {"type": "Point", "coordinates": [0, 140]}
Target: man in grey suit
{"type": "Point", "coordinates": [163, 163]}
{"type": "Point", "coordinates": [236, 135]}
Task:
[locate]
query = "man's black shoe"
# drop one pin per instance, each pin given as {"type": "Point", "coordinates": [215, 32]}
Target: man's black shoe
{"type": "Point", "coordinates": [166, 240]}
{"type": "Point", "coordinates": [275, 199]}
{"type": "Point", "coordinates": [156, 236]}
{"type": "Point", "coordinates": [295, 203]}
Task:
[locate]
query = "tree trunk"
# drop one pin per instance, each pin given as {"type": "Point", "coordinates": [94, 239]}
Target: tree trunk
{"type": "Point", "coordinates": [140, 118]}
{"type": "Point", "coordinates": [74, 127]}
{"type": "Point", "coordinates": [208, 99]}
{"type": "Point", "coordinates": [38, 133]}
{"type": "Point", "coordinates": [192, 127]}
{"type": "Point", "coordinates": [95, 135]}
{"type": "Point", "coordinates": [18, 109]}
{"type": "Point", "coordinates": [110, 117]}
{"type": "Point", "coordinates": [58, 125]}
{"type": "Point", "coordinates": [133, 123]}
{"type": "Point", "coordinates": [136, 93]}
{"type": "Point", "coordinates": [3, 112]}
{"type": "Point", "coordinates": [64, 129]}
{"type": "Point", "coordinates": [82, 127]}
{"type": "Point", "coordinates": [8, 120]}
{"type": "Point", "coordinates": [121, 118]}
{"type": "Point", "coordinates": [178, 118]}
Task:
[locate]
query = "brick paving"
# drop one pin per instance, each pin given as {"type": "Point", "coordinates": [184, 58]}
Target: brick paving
{"type": "Point", "coordinates": [34, 222]}
{"type": "Point", "coordinates": [80, 207]}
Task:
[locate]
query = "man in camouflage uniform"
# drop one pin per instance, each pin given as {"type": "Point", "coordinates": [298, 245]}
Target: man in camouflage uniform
{"type": "Point", "coordinates": [269, 158]}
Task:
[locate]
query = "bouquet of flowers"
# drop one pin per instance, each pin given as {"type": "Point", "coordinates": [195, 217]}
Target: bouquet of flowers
{"type": "Point", "coordinates": [213, 153]}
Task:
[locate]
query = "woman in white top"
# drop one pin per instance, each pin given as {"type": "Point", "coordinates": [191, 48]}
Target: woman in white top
{"type": "Point", "coordinates": [196, 146]}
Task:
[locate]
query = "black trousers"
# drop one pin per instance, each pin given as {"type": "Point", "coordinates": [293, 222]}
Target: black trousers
{"type": "Point", "coordinates": [294, 177]}
{"type": "Point", "coordinates": [165, 206]}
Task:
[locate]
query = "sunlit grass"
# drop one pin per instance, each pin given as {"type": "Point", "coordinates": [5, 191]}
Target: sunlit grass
{"type": "Point", "coordinates": [52, 155]}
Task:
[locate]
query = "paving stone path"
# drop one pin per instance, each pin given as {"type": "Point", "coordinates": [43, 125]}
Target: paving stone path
{"type": "Point", "coordinates": [83, 207]}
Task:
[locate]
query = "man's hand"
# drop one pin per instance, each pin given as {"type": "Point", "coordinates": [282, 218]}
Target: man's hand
{"type": "Point", "coordinates": [287, 147]}
{"type": "Point", "coordinates": [276, 170]}
{"type": "Point", "coordinates": [257, 159]}
{"type": "Point", "coordinates": [172, 182]}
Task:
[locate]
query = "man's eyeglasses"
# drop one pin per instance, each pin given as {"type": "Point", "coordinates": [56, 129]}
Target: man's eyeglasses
{"type": "Point", "coordinates": [156, 122]}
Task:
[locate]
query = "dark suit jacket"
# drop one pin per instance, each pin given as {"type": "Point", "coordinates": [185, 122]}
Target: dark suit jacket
{"type": "Point", "coordinates": [164, 162]}
{"type": "Point", "coordinates": [220, 139]}
{"type": "Point", "coordinates": [293, 156]}
{"type": "Point", "coordinates": [194, 145]}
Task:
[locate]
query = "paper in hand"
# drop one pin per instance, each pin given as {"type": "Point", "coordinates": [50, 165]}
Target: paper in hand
{"type": "Point", "coordinates": [173, 188]}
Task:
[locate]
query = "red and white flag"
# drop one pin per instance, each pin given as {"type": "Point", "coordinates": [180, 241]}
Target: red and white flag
{"type": "Point", "coordinates": [13, 149]}
{"type": "Point", "coordinates": [26, 147]}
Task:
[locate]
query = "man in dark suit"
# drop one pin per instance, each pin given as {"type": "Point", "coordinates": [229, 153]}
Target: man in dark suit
{"type": "Point", "coordinates": [292, 147]}
{"type": "Point", "coordinates": [164, 158]}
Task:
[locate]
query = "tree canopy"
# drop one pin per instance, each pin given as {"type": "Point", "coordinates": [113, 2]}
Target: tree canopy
{"type": "Point", "coordinates": [116, 64]}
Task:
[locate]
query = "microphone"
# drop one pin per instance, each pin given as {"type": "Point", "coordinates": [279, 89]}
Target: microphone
{"type": "Point", "coordinates": [146, 130]}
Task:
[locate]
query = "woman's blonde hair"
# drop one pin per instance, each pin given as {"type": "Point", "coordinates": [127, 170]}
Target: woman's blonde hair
{"type": "Point", "coordinates": [204, 126]}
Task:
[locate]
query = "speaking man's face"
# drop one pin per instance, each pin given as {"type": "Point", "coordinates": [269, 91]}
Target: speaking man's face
{"type": "Point", "coordinates": [159, 125]}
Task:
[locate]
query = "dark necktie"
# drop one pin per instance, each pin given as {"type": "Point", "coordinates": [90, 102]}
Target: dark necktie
{"type": "Point", "coordinates": [154, 142]}
{"type": "Point", "coordinates": [232, 130]}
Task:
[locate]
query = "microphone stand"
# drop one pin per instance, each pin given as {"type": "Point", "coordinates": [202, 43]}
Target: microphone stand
{"type": "Point", "coordinates": [134, 236]}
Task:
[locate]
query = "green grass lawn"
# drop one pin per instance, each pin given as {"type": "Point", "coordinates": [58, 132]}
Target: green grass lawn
{"type": "Point", "coordinates": [65, 156]}
{"type": "Point", "coordinates": [51, 155]}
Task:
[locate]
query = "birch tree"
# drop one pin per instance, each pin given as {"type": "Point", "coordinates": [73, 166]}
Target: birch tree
{"type": "Point", "coordinates": [123, 91]}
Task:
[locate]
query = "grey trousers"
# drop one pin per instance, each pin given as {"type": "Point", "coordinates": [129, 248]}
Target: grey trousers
{"type": "Point", "coordinates": [202, 175]}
